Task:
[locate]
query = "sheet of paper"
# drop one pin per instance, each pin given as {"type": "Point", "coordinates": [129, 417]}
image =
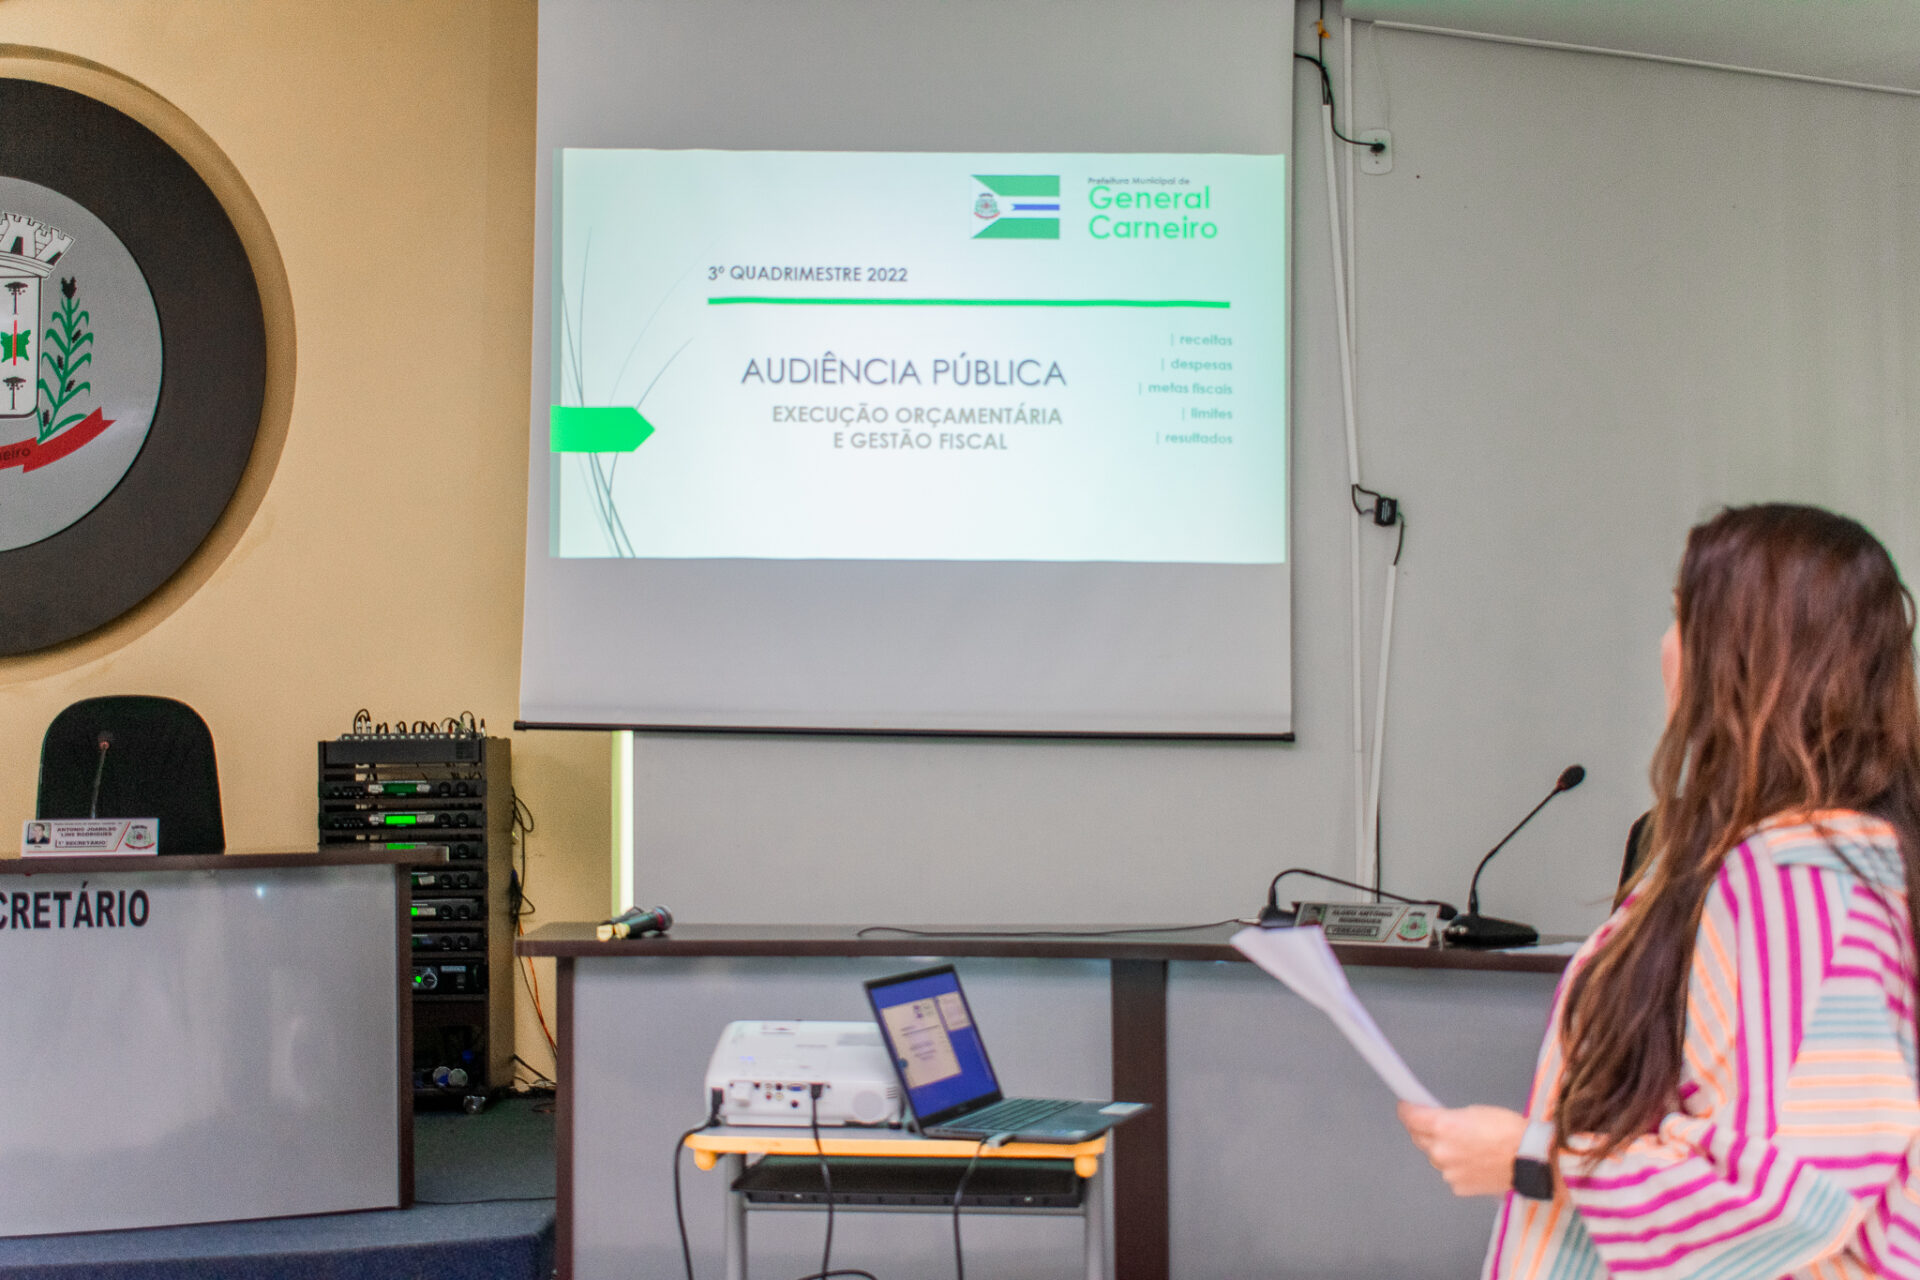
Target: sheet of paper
{"type": "Point", "coordinates": [1302, 959]}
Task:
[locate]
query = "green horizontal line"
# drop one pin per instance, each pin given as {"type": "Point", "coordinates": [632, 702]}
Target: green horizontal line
{"type": "Point", "coordinates": [963, 302]}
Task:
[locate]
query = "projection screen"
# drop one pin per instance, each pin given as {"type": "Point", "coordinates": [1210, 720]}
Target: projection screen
{"type": "Point", "coordinates": [910, 367]}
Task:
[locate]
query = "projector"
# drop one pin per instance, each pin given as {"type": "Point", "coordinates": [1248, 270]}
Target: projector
{"type": "Point", "coordinates": [763, 1070]}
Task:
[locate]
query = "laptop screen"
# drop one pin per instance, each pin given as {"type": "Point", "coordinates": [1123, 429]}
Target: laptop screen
{"type": "Point", "coordinates": [929, 1031]}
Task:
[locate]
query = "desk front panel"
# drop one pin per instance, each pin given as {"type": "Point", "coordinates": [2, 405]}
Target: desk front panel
{"type": "Point", "coordinates": [1285, 1158]}
{"type": "Point", "coordinates": [197, 1046]}
{"type": "Point", "coordinates": [643, 1032]}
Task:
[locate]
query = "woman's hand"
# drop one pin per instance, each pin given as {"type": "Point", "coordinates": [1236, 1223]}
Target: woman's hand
{"type": "Point", "coordinates": [1472, 1147]}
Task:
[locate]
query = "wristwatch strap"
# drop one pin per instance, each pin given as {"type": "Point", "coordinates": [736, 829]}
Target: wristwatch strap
{"type": "Point", "coordinates": [1532, 1174]}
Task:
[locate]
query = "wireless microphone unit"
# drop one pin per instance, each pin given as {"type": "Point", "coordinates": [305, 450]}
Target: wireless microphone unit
{"type": "Point", "coordinates": [1476, 930]}
{"type": "Point", "coordinates": [634, 922]}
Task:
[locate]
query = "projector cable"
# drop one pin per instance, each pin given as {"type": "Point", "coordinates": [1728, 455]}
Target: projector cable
{"type": "Point", "coordinates": [826, 1272]}
{"type": "Point", "coordinates": [960, 1190]}
{"type": "Point", "coordinates": [814, 1091]}
{"type": "Point", "coordinates": [679, 1145]}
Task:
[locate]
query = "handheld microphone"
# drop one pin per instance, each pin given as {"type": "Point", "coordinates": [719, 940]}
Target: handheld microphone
{"type": "Point", "coordinates": [1476, 930]}
{"type": "Point", "coordinates": [1272, 917]}
{"type": "Point", "coordinates": [635, 921]}
{"type": "Point", "coordinates": [103, 740]}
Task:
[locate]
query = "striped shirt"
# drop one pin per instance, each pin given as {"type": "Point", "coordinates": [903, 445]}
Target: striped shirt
{"type": "Point", "coordinates": [1791, 1151]}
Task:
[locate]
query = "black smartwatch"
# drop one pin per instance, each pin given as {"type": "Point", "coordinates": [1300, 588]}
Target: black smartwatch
{"type": "Point", "coordinates": [1532, 1175]}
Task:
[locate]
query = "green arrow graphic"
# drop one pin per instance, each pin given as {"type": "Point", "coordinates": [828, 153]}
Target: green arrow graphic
{"type": "Point", "coordinates": [580, 429]}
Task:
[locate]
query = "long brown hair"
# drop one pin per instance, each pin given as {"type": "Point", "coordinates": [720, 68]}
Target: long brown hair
{"type": "Point", "coordinates": [1796, 694]}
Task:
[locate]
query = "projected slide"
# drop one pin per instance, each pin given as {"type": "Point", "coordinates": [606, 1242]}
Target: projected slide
{"type": "Point", "coordinates": [908, 356]}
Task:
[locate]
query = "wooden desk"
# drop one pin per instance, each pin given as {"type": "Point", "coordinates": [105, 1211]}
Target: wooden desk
{"type": "Point", "coordinates": [1137, 964]}
{"type": "Point", "coordinates": [204, 1039]}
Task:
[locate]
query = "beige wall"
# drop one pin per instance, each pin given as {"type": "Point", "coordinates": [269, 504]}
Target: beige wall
{"type": "Point", "coordinates": [390, 145]}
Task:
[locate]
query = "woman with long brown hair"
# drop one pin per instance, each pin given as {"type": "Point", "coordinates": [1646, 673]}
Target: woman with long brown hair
{"type": "Point", "coordinates": [1728, 1085]}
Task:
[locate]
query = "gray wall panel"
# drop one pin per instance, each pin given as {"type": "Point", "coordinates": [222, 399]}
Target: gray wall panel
{"type": "Point", "coordinates": [1596, 299]}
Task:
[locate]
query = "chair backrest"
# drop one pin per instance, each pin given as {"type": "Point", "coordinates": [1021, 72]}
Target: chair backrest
{"type": "Point", "coordinates": [1636, 854]}
{"type": "Point", "coordinates": [159, 764]}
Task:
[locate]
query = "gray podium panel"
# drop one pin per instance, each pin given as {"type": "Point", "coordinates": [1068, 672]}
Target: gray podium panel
{"type": "Point", "coordinates": [1286, 1158]}
{"type": "Point", "coordinates": [197, 1046]}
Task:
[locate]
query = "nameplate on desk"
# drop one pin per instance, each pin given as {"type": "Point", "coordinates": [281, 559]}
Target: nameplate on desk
{"type": "Point", "coordinates": [89, 837]}
{"type": "Point", "coordinates": [1379, 924]}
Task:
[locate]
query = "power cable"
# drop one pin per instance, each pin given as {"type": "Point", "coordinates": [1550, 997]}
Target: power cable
{"type": "Point", "coordinates": [959, 1190]}
{"type": "Point", "coordinates": [679, 1145]}
{"type": "Point", "coordinates": [1044, 933]}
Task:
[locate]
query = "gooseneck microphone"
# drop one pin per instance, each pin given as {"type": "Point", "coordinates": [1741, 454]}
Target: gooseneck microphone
{"type": "Point", "coordinates": [1272, 917]}
{"type": "Point", "coordinates": [1476, 930]}
{"type": "Point", "coordinates": [103, 740]}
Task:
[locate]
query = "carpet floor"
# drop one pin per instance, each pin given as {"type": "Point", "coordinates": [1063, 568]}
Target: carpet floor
{"type": "Point", "coordinates": [483, 1189]}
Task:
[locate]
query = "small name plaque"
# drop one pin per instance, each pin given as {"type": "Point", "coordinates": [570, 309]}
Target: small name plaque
{"type": "Point", "coordinates": [88, 837]}
{"type": "Point", "coordinates": [1380, 924]}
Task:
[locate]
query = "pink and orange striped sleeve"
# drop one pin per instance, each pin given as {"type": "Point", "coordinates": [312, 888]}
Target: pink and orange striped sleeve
{"type": "Point", "coordinates": [1790, 1151]}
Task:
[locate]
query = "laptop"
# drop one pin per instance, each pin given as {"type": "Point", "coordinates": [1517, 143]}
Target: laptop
{"type": "Point", "coordinates": [941, 1060]}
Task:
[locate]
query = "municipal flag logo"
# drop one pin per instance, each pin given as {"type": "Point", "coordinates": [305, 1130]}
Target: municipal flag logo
{"type": "Point", "coordinates": [1016, 206]}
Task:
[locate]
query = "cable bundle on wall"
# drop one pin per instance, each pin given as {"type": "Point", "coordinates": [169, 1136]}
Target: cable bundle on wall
{"type": "Point", "coordinates": [1384, 511]}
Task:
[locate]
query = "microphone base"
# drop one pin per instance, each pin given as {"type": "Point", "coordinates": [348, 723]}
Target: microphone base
{"type": "Point", "coordinates": [1273, 917]}
{"type": "Point", "coordinates": [1486, 932]}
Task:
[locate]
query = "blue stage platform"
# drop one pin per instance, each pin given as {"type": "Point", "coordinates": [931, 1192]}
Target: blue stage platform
{"type": "Point", "coordinates": [484, 1211]}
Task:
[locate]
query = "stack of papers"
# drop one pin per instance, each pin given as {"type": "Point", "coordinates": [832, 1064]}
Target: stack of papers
{"type": "Point", "coordinates": [1302, 959]}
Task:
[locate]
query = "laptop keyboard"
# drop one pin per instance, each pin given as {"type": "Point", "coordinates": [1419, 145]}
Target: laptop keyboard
{"type": "Point", "coordinates": [1012, 1114]}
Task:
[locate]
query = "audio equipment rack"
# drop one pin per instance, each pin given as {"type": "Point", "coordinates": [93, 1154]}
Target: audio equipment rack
{"type": "Point", "coordinates": [401, 791]}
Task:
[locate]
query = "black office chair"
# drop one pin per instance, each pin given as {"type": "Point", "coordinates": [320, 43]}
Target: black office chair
{"type": "Point", "coordinates": [1636, 854]}
{"type": "Point", "coordinates": [157, 762]}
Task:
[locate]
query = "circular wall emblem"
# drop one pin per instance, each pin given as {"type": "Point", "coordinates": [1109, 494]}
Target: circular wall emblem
{"type": "Point", "coordinates": [133, 363]}
{"type": "Point", "coordinates": [79, 362]}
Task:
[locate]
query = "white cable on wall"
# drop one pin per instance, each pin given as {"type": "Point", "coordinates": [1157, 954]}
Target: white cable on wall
{"type": "Point", "coordinates": [1378, 746]}
{"type": "Point", "coordinates": [1369, 871]}
{"type": "Point", "coordinates": [1361, 855]}
{"type": "Point", "coordinates": [1352, 478]}
{"type": "Point", "coordinates": [1346, 229]}
{"type": "Point", "coordinates": [1367, 754]}
{"type": "Point", "coordinates": [1380, 724]}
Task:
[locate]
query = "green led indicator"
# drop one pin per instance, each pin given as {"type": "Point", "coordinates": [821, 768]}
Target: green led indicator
{"type": "Point", "coordinates": [402, 819]}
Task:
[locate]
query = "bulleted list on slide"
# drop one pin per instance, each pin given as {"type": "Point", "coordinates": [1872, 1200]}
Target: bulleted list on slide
{"type": "Point", "coordinates": [1201, 381]}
